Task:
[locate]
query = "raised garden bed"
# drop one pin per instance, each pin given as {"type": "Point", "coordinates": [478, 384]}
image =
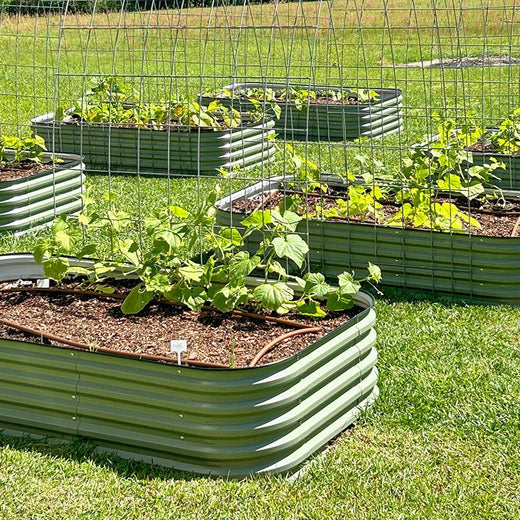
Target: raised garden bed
{"type": "Point", "coordinates": [508, 177]}
{"type": "Point", "coordinates": [35, 197]}
{"type": "Point", "coordinates": [486, 268]}
{"type": "Point", "coordinates": [323, 119]}
{"type": "Point", "coordinates": [179, 151]}
{"type": "Point", "coordinates": [229, 422]}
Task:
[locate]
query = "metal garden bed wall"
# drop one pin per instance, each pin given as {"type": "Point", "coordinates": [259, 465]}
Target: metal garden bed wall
{"type": "Point", "coordinates": [158, 152]}
{"type": "Point", "coordinates": [40, 197]}
{"type": "Point", "coordinates": [328, 122]}
{"type": "Point", "coordinates": [484, 268]}
{"type": "Point", "coordinates": [216, 421]}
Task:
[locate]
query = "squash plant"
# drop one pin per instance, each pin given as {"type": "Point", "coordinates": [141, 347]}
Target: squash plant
{"type": "Point", "coordinates": [14, 150]}
{"type": "Point", "coordinates": [504, 138]}
{"type": "Point", "coordinates": [419, 189]}
{"type": "Point", "coordinates": [110, 101]}
{"type": "Point", "coordinates": [166, 265]}
{"type": "Point", "coordinates": [298, 96]}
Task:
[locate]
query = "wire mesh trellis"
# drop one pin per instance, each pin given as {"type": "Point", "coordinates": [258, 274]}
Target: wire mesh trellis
{"type": "Point", "coordinates": [326, 88]}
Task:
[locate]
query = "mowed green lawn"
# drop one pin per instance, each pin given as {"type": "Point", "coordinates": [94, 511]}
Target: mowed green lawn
{"type": "Point", "coordinates": [443, 439]}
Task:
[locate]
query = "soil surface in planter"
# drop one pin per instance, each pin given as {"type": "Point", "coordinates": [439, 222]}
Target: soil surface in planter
{"type": "Point", "coordinates": [172, 126]}
{"type": "Point", "coordinates": [496, 221]}
{"type": "Point", "coordinates": [319, 100]}
{"type": "Point", "coordinates": [10, 172]}
{"type": "Point", "coordinates": [487, 147]}
{"type": "Point", "coordinates": [227, 339]}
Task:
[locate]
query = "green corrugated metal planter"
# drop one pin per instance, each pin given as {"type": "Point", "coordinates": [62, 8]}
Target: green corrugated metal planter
{"type": "Point", "coordinates": [39, 198]}
{"type": "Point", "coordinates": [214, 421]}
{"type": "Point", "coordinates": [484, 268]}
{"type": "Point", "coordinates": [508, 177]}
{"type": "Point", "coordinates": [159, 152]}
{"type": "Point", "coordinates": [321, 122]}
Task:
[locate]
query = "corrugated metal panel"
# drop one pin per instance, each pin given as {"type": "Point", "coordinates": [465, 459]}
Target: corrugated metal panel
{"type": "Point", "coordinates": [329, 122]}
{"type": "Point", "coordinates": [127, 150]}
{"type": "Point", "coordinates": [508, 177]}
{"type": "Point", "coordinates": [40, 198]}
{"type": "Point", "coordinates": [223, 422]}
{"type": "Point", "coordinates": [37, 388]}
{"type": "Point", "coordinates": [486, 268]}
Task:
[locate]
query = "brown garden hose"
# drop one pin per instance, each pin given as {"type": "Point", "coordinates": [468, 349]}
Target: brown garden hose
{"type": "Point", "coordinates": [301, 328]}
{"type": "Point", "coordinates": [279, 339]}
{"type": "Point", "coordinates": [115, 296]}
{"type": "Point", "coordinates": [120, 353]}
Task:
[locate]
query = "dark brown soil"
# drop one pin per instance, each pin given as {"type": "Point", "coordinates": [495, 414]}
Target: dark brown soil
{"type": "Point", "coordinates": [481, 146]}
{"type": "Point", "coordinates": [487, 147]}
{"type": "Point", "coordinates": [321, 100]}
{"type": "Point", "coordinates": [327, 100]}
{"type": "Point", "coordinates": [496, 221]}
{"type": "Point", "coordinates": [212, 337]}
{"type": "Point", "coordinates": [9, 172]}
{"type": "Point", "coordinates": [172, 126]}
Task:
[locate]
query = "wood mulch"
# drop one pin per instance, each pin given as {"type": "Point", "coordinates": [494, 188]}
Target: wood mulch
{"type": "Point", "coordinates": [211, 336]}
{"type": "Point", "coordinates": [495, 221]}
{"type": "Point", "coordinates": [9, 172]}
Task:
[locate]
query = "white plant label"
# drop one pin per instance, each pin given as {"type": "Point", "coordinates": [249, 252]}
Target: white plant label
{"type": "Point", "coordinates": [179, 346]}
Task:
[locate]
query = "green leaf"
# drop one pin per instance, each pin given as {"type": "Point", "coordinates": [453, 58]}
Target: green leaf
{"type": "Point", "coordinates": [151, 224]}
{"type": "Point", "coordinates": [450, 182]}
{"type": "Point", "coordinates": [289, 220]}
{"type": "Point", "coordinates": [315, 285]}
{"type": "Point", "coordinates": [291, 203]}
{"type": "Point", "coordinates": [230, 297]}
{"type": "Point", "coordinates": [220, 274]}
{"type": "Point", "coordinates": [83, 219]}
{"type": "Point", "coordinates": [179, 212]}
{"type": "Point", "coordinates": [157, 283]}
{"type": "Point", "coordinates": [277, 268]}
{"type": "Point", "coordinates": [241, 265]}
{"type": "Point", "coordinates": [374, 272]}
{"type": "Point", "coordinates": [193, 297]}
{"type": "Point", "coordinates": [470, 220]}
{"type": "Point", "coordinates": [258, 219]}
{"type": "Point", "coordinates": [40, 250]}
{"type": "Point", "coordinates": [165, 240]}
{"type": "Point", "coordinates": [55, 268]}
{"type": "Point", "coordinates": [273, 295]}
{"type": "Point", "coordinates": [311, 308]}
{"type": "Point", "coordinates": [87, 250]}
{"type": "Point", "coordinates": [129, 249]}
{"type": "Point", "coordinates": [339, 302]}
{"type": "Point", "coordinates": [348, 286]}
{"type": "Point", "coordinates": [138, 298]}
{"type": "Point", "coordinates": [285, 308]}
{"type": "Point", "coordinates": [192, 272]}
{"type": "Point", "coordinates": [292, 247]}
{"type": "Point", "coordinates": [232, 235]}
{"type": "Point", "coordinates": [64, 240]}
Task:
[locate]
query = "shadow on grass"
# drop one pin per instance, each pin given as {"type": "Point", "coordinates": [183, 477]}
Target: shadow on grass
{"type": "Point", "coordinates": [82, 450]}
{"type": "Point", "coordinates": [398, 295]}
{"type": "Point", "coordinates": [85, 451]}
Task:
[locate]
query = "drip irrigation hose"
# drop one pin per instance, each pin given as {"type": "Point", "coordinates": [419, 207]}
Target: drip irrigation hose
{"type": "Point", "coordinates": [115, 296]}
{"type": "Point", "coordinates": [120, 353]}
{"type": "Point", "coordinates": [279, 339]}
{"type": "Point", "coordinates": [64, 290]}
